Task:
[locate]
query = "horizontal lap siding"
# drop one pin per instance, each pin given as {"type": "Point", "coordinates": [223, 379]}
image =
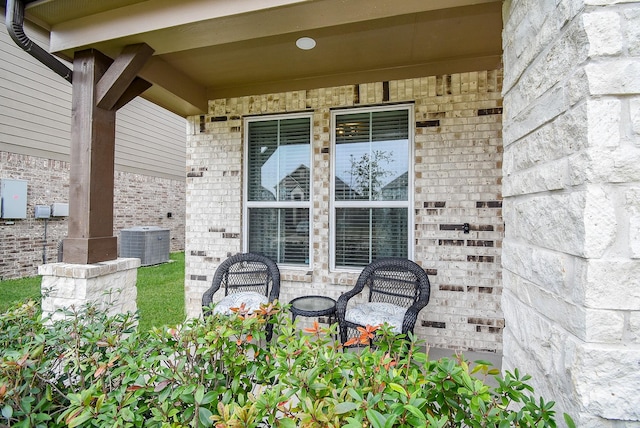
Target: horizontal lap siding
{"type": "Point", "coordinates": [150, 139]}
{"type": "Point", "coordinates": [35, 118]}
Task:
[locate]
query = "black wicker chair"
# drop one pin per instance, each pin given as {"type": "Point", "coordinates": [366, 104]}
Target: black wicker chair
{"type": "Point", "coordinates": [398, 290]}
{"type": "Point", "coordinates": [247, 278]}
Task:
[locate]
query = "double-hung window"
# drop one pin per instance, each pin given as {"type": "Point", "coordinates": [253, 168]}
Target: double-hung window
{"type": "Point", "coordinates": [278, 187]}
{"type": "Point", "coordinates": [371, 214]}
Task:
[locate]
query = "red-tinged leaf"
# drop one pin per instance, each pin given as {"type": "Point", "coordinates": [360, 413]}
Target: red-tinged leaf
{"type": "Point", "coordinates": [352, 341]}
{"type": "Point", "coordinates": [81, 418]}
{"type": "Point", "coordinates": [134, 388]}
{"type": "Point", "coordinates": [72, 416]}
{"type": "Point", "coordinates": [161, 385]}
{"type": "Point", "coordinates": [21, 362]}
{"type": "Point", "coordinates": [313, 330]}
{"type": "Point", "coordinates": [100, 371]}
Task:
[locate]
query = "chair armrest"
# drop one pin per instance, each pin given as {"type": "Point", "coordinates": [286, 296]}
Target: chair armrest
{"type": "Point", "coordinates": [343, 300]}
{"type": "Point", "coordinates": [411, 316]}
{"type": "Point", "coordinates": [207, 297]}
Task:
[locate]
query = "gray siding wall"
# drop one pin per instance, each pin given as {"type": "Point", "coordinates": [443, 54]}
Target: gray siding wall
{"type": "Point", "coordinates": [35, 118]}
{"type": "Point", "coordinates": [35, 104]}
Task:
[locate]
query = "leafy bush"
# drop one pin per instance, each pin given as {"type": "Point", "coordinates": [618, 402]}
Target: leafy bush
{"type": "Point", "coordinates": [92, 370]}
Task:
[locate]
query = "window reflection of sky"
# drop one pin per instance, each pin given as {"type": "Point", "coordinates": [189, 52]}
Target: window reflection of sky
{"type": "Point", "coordinates": [284, 161]}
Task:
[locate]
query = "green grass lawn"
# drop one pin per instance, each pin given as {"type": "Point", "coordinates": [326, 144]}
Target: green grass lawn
{"type": "Point", "coordinates": [160, 292]}
{"type": "Point", "coordinates": [15, 290]}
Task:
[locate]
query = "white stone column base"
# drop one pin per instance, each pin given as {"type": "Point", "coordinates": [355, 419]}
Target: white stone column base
{"type": "Point", "coordinates": [110, 285]}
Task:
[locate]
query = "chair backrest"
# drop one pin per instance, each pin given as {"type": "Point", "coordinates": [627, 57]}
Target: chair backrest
{"type": "Point", "coordinates": [246, 272]}
{"type": "Point", "coordinates": [398, 281]}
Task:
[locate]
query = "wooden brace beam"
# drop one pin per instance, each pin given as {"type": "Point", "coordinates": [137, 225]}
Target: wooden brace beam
{"type": "Point", "coordinates": [137, 87]}
{"type": "Point", "coordinates": [116, 81]}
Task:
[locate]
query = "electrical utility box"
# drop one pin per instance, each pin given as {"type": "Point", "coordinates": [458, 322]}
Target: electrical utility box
{"type": "Point", "coordinates": [13, 194]}
{"type": "Point", "coordinates": [42, 211]}
{"type": "Point", "coordinates": [59, 209]}
{"type": "Point", "coordinates": [150, 244]}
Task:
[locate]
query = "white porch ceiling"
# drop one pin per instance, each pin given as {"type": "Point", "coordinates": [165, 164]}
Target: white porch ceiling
{"type": "Point", "coordinates": [207, 49]}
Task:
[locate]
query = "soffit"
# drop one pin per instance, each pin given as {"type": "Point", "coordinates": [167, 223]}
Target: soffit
{"type": "Point", "coordinates": [54, 12]}
{"type": "Point", "coordinates": [226, 48]}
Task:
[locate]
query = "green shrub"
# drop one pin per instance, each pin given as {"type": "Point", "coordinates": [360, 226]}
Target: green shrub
{"type": "Point", "coordinates": [92, 370]}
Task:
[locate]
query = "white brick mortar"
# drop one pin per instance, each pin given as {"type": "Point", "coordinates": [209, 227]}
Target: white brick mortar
{"type": "Point", "coordinates": [599, 380]}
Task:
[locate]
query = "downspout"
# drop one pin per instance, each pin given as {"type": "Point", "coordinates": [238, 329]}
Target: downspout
{"type": "Point", "coordinates": [15, 27]}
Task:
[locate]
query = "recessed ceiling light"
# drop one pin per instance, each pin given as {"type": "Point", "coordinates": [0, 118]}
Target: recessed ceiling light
{"type": "Point", "coordinates": [306, 43]}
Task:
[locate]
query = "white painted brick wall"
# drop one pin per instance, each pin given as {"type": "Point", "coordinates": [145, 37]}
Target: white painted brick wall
{"type": "Point", "coordinates": [458, 161]}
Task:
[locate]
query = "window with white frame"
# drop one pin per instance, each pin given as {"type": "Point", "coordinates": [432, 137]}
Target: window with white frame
{"type": "Point", "coordinates": [371, 214]}
{"type": "Point", "coordinates": [278, 187]}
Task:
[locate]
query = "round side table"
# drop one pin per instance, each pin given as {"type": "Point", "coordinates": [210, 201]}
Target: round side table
{"type": "Point", "coordinates": [313, 306]}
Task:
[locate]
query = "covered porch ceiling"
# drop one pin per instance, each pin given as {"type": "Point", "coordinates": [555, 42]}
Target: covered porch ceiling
{"type": "Point", "coordinates": [209, 49]}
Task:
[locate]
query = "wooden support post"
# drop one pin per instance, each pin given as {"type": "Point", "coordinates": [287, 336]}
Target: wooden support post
{"type": "Point", "coordinates": [94, 104]}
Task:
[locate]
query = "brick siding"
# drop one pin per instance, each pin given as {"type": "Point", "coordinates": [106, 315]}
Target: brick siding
{"type": "Point", "coordinates": [139, 200]}
{"type": "Point", "coordinates": [458, 211]}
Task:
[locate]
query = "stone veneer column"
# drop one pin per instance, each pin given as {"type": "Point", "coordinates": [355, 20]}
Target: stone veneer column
{"type": "Point", "coordinates": [111, 285]}
{"type": "Point", "coordinates": [571, 258]}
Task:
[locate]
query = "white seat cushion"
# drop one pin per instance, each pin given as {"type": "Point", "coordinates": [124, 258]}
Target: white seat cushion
{"type": "Point", "coordinates": [251, 300]}
{"type": "Point", "coordinates": [375, 313]}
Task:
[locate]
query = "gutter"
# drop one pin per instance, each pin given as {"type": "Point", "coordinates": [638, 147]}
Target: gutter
{"type": "Point", "coordinates": [15, 27]}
